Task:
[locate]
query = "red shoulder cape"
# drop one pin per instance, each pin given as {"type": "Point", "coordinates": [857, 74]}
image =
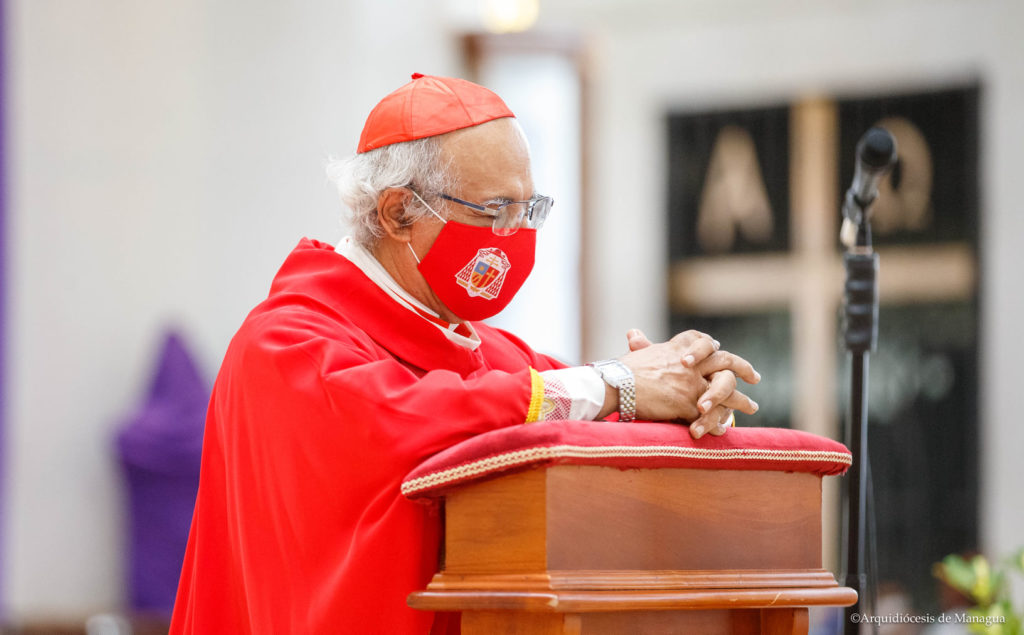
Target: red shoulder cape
{"type": "Point", "coordinates": [329, 394]}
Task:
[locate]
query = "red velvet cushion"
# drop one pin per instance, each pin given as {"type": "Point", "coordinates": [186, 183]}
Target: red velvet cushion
{"type": "Point", "coordinates": [626, 446]}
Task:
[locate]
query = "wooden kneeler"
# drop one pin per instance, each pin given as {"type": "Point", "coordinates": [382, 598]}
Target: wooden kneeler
{"type": "Point", "coordinates": [582, 527]}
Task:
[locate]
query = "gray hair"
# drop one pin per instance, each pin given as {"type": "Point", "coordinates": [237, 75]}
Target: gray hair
{"type": "Point", "coordinates": [419, 164]}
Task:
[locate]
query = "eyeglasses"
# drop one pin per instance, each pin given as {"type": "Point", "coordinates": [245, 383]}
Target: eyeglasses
{"type": "Point", "coordinates": [509, 217]}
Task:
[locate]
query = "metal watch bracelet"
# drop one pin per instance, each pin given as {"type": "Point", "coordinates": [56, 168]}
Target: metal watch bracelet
{"type": "Point", "coordinates": [618, 375]}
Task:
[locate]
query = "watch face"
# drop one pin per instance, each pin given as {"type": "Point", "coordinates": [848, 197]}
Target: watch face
{"type": "Point", "coordinates": [614, 373]}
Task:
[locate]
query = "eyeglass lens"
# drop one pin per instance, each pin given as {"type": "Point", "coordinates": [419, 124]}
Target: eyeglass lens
{"type": "Point", "coordinates": [511, 216]}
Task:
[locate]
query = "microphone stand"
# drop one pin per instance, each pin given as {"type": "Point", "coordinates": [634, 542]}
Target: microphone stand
{"type": "Point", "coordinates": [860, 336]}
{"type": "Point", "coordinates": [876, 154]}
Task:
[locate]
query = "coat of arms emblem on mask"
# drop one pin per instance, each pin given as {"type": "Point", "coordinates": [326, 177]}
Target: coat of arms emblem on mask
{"type": "Point", "coordinates": [484, 274]}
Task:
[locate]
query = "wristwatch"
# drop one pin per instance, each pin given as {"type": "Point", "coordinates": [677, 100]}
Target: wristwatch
{"type": "Point", "coordinates": [618, 375]}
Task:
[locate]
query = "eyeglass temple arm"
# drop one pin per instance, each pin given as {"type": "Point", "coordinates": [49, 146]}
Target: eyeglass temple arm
{"type": "Point", "coordinates": [479, 208]}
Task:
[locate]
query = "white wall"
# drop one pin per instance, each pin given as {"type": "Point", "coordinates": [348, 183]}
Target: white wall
{"type": "Point", "coordinates": [164, 158]}
{"type": "Point", "coordinates": [652, 55]}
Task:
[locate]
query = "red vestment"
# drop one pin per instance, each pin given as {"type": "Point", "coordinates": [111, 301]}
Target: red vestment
{"type": "Point", "coordinates": [329, 394]}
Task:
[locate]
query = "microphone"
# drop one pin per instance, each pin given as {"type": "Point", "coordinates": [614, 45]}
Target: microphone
{"type": "Point", "coordinates": [876, 154]}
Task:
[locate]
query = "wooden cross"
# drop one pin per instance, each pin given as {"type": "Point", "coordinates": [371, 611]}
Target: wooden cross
{"type": "Point", "coordinates": [808, 280]}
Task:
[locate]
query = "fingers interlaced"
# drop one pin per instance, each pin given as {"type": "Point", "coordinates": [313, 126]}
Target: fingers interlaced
{"type": "Point", "coordinates": [715, 422]}
{"type": "Point", "coordinates": [689, 336]}
{"type": "Point", "coordinates": [741, 402]}
{"type": "Point", "coordinates": [724, 360]}
{"type": "Point", "coordinates": [712, 371]}
{"type": "Point", "coordinates": [698, 351]}
{"type": "Point", "coordinates": [726, 422]}
{"type": "Point", "coordinates": [722, 384]}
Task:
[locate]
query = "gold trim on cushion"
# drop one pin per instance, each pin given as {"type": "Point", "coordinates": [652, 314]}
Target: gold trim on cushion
{"type": "Point", "coordinates": [531, 455]}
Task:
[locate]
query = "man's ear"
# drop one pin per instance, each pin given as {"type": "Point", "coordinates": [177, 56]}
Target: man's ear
{"type": "Point", "coordinates": [391, 213]}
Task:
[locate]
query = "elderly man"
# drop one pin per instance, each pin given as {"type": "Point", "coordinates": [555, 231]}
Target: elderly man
{"type": "Point", "coordinates": [368, 356]}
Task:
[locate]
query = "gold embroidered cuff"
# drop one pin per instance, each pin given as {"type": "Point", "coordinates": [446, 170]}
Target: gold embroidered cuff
{"type": "Point", "coordinates": [536, 396]}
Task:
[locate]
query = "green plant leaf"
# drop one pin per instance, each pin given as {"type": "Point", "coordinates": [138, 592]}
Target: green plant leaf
{"type": "Point", "coordinates": [987, 585]}
{"type": "Point", "coordinates": [957, 573]}
{"type": "Point", "coordinates": [984, 588]}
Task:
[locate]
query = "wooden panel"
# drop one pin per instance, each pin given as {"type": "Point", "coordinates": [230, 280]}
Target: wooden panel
{"type": "Point", "coordinates": [496, 525]}
{"type": "Point", "coordinates": [586, 549]}
{"type": "Point", "coordinates": [784, 622]}
{"type": "Point", "coordinates": [787, 621]}
{"type": "Point", "coordinates": [628, 580]}
{"type": "Point", "coordinates": [612, 601]}
{"type": "Point", "coordinates": [664, 623]}
{"type": "Point", "coordinates": [484, 600]}
{"type": "Point", "coordinates": [625, 580]}
{"type": "Point", "coordinates": [604, 518]}
{"type": "Point", "coordinates": [502, 623]}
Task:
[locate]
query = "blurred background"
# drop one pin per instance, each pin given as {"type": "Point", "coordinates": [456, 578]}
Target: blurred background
{"type": "Point", "coordinates": [162, 158]}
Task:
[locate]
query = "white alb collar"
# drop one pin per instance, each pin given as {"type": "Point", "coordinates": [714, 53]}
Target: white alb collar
{"type": "Point", "coordinates": [369, 265]}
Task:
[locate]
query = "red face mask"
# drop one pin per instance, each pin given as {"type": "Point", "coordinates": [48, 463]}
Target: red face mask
{"type": "Point", "coordinates": [475, 272]}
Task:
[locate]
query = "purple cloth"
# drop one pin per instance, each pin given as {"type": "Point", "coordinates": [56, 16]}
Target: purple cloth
{"type": "Point", "coordinates": [160, 447]}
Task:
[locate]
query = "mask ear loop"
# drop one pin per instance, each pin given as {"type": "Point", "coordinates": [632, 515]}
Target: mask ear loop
{"type": "Point", "coordinates": [441, 218]}
{"type": "Point", "coordinates": [413, 253]}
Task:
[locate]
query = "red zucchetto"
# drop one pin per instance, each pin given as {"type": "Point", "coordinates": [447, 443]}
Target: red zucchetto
{"type": "Point", "coordinates": [428, 106]}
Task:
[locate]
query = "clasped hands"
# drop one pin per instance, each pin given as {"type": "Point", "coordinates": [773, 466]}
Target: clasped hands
{"type": "Point", "coordinates": [688, 379]}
